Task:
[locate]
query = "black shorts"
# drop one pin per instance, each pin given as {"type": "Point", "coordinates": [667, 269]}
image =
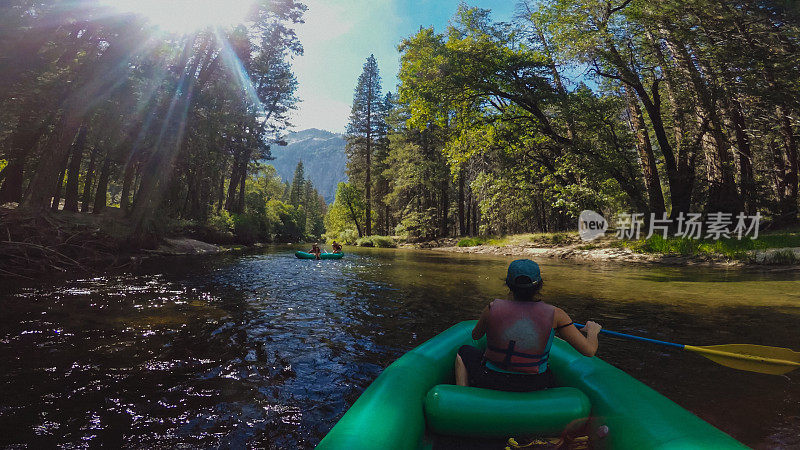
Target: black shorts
{"type": "Point", "coordinates": [483, 377]}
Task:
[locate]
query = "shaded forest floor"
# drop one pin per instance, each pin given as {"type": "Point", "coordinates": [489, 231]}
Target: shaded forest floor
{"type": "Point", "coordinates": [778, 248]}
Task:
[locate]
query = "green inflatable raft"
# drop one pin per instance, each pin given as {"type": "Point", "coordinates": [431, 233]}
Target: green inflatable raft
{"type": "Point", "coordinates": [306, 255]}
{"type": "Point", "coordinates": [414, 399]}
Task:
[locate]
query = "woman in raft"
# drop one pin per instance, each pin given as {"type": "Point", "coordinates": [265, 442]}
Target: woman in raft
{"type": "Point", "coordinates": [315, 250]}
{"type": "Point", "coordinates": [519, 334]}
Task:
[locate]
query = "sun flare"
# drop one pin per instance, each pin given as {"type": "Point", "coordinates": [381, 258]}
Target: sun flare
{"type": "Point", "coordinates": [185, 16]}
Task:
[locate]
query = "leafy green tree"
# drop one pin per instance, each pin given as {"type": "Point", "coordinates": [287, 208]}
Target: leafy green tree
{"type": "Point", "coordinates": [346, 212]}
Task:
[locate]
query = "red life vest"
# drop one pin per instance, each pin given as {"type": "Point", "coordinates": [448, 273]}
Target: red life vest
{"type": "Point", "coordinates": [519, 335]}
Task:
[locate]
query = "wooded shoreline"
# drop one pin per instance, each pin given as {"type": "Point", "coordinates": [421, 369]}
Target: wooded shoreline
{"type": "Point", "coordinates": [34, 245]}
{"type": "Point", "coordinates": [39, 246]}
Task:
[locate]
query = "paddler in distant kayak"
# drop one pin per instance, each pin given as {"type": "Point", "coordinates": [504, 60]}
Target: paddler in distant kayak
{"type": "Point", "coordinates": [337, 248]}
{"type": "Point", "coordinates": [315, 250]}
{"type": "Point", "coordinates": [519, 334]}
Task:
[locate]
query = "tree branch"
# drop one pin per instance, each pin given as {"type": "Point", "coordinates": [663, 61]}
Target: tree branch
{"type": "Point", "coordinates": [618, 8]}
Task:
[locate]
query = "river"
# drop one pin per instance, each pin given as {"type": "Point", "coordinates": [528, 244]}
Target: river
{"type": "Point", "coordinates": [265, 350]}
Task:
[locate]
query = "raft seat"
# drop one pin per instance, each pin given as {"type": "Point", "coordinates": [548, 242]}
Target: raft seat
{"type": "Point", "coordinates": [474, 412]}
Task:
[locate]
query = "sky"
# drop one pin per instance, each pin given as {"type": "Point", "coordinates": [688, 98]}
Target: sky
{"type": "Point", "coordinates": [339, 35]}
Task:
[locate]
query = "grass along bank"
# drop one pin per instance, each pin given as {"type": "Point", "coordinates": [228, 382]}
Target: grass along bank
{"type": "Point", "coordinates": [546, 239]}
{"type": "Point", "coordinates": [779, 247]}
{"type": "Point", "coordinates": [351, 237]}
{"type": "Point", "coordinates": [377, 241]}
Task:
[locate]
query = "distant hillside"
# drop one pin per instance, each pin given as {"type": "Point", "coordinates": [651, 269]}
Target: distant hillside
{"type": "Point", "coordinates": [322, 153]}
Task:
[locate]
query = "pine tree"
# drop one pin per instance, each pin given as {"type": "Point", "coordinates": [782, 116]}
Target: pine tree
{"type": "Point", "coordinates": [287, 190]}
{"type": "Point", "coordinates": [367, 121]}
{"type": "Point", "coordinates": [298, 188]}
{"type": "Point", "coordinates": [314, 206]}
{"type": "Point", "coordinates": [379, 166]}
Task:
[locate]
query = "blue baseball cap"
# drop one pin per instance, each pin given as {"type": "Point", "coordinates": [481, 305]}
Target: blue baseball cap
{"type": "Point", "coordinates": [523, 268]}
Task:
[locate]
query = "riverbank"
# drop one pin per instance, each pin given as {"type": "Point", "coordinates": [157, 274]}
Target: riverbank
{"type": "Point", "coordinates": [52, 243]}
{"type": "Point", "coordinates": [778, 249]}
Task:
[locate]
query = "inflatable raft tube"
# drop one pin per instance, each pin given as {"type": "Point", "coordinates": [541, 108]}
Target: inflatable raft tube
{"type": "Point", "coordinates": [472, 412]}
{"type": "Point", "coordinates": [390, 413]}
{"type": "Point", "coordinates": [305, 255]}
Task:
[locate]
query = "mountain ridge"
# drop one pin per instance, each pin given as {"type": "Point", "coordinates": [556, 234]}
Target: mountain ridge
{"type": "Point", "coordinates": [323, 156]}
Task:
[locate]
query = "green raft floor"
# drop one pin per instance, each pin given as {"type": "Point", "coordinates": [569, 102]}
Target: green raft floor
{"type": "Point", "coordinates": [440, 442]}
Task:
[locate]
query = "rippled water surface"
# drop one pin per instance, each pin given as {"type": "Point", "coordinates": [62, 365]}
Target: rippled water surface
{"type": "Point", "coordinates": [269, 351]}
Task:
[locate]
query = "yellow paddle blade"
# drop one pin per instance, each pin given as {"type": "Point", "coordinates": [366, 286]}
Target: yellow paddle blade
{"type": "Point", "coordinates": [754, 358]}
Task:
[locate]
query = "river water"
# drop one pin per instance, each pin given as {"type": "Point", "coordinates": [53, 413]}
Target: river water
{"type": "Point", "coordinates": [269, 351]}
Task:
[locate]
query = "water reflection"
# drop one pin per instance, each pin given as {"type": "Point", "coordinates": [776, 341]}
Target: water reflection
{"type": "Point", "coordinates": [267, 350]}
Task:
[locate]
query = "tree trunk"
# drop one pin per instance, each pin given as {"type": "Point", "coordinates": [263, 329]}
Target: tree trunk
{"type": "Point", "coordinates": [236, 172]}
{"type": "Point", "coordinates": [354, 216]}
{"type": "Point", "coordinates": [461, 219]}
{"type": "Point", "coordinates": [13, 176]}
{"type": "Point", "coordinates": [221, 191]}
{"type": "Point", "coordinates": [789, 198]}
{"type": "Point", "coordinates": [96, 79]}
{"type": "Point", "coordinates": [46, 182]}
{"type": "Point", "coordinates": [100, 196]}
{"type": "Point", "coordinates": [723, 195]}
{"type": "Point", "coordinates": [87, 182]}
{"type": "Point", "coordinates": [137, 183]}
{"type": "Point", "coordinates": [747, 184]}
{"type": "Point", "coordinates": [74, 170]}
{"type": "Point", "coordinates": [203, 198]}
{"type": "Point", "coordinates": [680, 196]}
{"type": "Point", "coordinates": [368, 182]}
{"type": "Point", "coordinates": [468, 216]}
{"type": "Point", "coordinates": [475, 218]}
{"type": "Point", "coordinates": [444, 206]}
{"type": "Point", "coordinates": [785, 173]}
{"type": "Point", "coordinates": [543, 225]}
{"type": "Point", "coordinates": [156, 174]}
{"type": "Point", "coordinates": [778, 172]}
{"type": "Point", "coordinates": [681, 188]}
{"type": "Point", "coordinates": [242, 181]}
{"type": "Point", "coordinates": [56, 200]}
{"type": "Point", "coordinates": [389, 230]}
{"type": "Point", "coordinates": [677, 106]}
{"type": "Point", "coordinates": [23, 141]}
{"type": "Point", "coordinates": [127, 182]}
{"type": "Point", "coordinates": [647, 158]}
{"type": "Point", "coordinates": [246, 154]}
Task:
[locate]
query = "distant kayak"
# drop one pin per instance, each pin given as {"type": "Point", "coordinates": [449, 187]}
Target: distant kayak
{"type": "Point", "coordinates": [306, 255]}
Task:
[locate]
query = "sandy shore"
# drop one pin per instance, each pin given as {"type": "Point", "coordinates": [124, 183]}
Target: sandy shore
{"type": "Point", "coordinates": [604, 252]}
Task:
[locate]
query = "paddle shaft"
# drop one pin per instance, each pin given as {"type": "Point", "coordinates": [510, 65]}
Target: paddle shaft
{"type": "Point", "coordinates": [754, 358]}
{"type": "Point", "coordinates": [635, 338]}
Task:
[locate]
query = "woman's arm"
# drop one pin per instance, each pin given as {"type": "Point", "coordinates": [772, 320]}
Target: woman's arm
{"type": "Point", "coordinates": [480, 327]}
{"type": "Point", "coordinates": [588, 344]}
